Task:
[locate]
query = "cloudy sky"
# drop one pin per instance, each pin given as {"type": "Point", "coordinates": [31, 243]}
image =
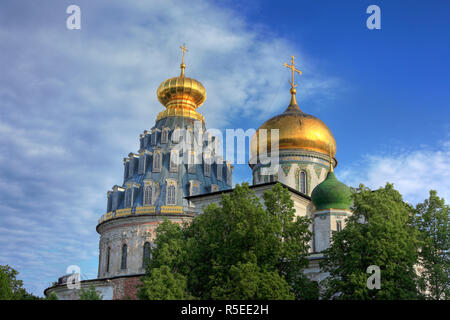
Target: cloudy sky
{"type": "Point", "coordinates": [73, 102]}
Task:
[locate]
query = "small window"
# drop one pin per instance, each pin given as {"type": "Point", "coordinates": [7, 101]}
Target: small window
{"type": "Point", "coordinates": [165, 136]}
{"type": "Point", "coordinates": [141, 168]}
{"type": "Point", "coordinates": [146, 255]}
{"type": "Point", "coordinates": [207, 169]}
{"type": "Point", "coordinates": [125, 169]}
{"type": "Point", "coordinates": [146, 140]}
{"type": "Point", "coordinates": [157, 162]}
{"type": "Point", "coordinates": [174, 161]}
{"type": "Point", "coordinates": [154, 137]}
{"type": "Point", "coordinates": [176, 134]}
{"type": "Point", "coordinates": [148, 195]}
{"type": "Point", "coordinates": [128, 198]}
{"type": "Point", "coordinates": [338, 226]}
{"type": "Point", "coordinates": [302, 182]}
{"type": "Point", "coordinates": [141, 141]}
{"type": "Point", "coordinates": [131, 168]}
{"type": "Point", "coordinates": [171, 190]}
{"type": "Point", "coordinates": [219, 171]}
{"type": "Point", "coordinates": [108, 255]}
{"type": "Point", "coordinates": [123, 264]}
{"type": "Point", "coordinates": [191, 163]}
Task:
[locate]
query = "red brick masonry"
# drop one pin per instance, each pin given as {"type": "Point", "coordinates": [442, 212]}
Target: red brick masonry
{"type": "Point", "coordinates": [126, 288]}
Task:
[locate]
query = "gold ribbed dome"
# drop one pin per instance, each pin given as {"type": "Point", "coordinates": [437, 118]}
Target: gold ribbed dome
{"type": "Point", "coordinates": [297, 130]}
{"type": "Point", "coordinates": [181, 95]}
{"type": "Point", "coordinates": [181, 88]}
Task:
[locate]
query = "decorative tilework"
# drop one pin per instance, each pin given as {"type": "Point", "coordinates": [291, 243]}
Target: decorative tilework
{"type": "Point", "coordinates": [171, 209]}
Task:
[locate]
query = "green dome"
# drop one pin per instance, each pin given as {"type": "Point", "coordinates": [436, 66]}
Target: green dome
{"type": "Point", "coordinates": [331, 194]}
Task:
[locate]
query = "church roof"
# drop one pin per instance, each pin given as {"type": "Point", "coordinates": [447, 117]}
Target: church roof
{"type": "Point", "coordinates": [251, 187]}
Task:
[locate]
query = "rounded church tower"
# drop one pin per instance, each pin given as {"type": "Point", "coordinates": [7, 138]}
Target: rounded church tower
{"type": "Point", "coordinates": [176, 158]}
{"type": "Point", "coordinates": [305, 147]}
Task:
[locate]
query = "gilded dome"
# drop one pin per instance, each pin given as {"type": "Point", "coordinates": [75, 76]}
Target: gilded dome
{"type": "Point", "coordinates": [181, 89]}
{"type": "Point", "coordinates": [297, 130]}
{"type": "Point", "coordinates": [181, 95]}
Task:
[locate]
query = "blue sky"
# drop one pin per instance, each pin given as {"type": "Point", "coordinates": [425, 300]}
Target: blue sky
{"type": "Point", "coordinates": [73, 103]}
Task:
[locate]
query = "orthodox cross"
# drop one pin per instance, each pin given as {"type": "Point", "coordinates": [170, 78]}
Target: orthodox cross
{"type": "Point", "coordinates": [183, 66]}
{"type": "Point", "coordinates": [294, 70]}
{"type": "Point", "coordinates": [184, 49]}
{"type": "Point", "coordinates": [331, 158]}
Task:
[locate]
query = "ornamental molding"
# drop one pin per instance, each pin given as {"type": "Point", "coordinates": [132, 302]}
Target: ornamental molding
{"type": "Point", "coordinates": [286, 168]}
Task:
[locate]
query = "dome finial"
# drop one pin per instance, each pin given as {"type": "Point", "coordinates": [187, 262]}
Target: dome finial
{"type": "Point", "coordinates": [331, 158]}
{"type": "Point", "coordinates": [293, 85]}
{"type": "Point", "coordinates": [182, 65]}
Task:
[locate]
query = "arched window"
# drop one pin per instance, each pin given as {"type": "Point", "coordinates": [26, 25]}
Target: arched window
{"type": "Point", "coordinates": [148, 195]}
{"type": "Point", "coordinates": [219, 171]}
{"type": "Point", "coordinates": [338, 226]}
{"type": "Point", "coordinates": [171, 194]}
{"type": "Point", "coordinates": [176, 134]}
{"type": "Point", "coordinates": [146, 255]}
{"type": "Point", "coordinates": [141, 168]}
{"type": "Point", "coordinates": [302, 182]}
{"type": "Point", "coordinates": [131, 168]}
{"type": "Point", "coordinates": [174, 160]}
{"type": "Point", "coordinates": [108, 255]}
{"type": "Point", "coordinates": [125, 169]}
{"type": "Point", "coordinates": [154, 137]}
{"type": "Point", "coordinates": [191, 162]}
{"type": "Point", "coordinates": [207, 165]}
{"type": "Point", "coordinates": [165, 136]}
{"type": "Point", "coordinates": [128, 198]}
{"type": "Point", "coordinates": [123, 265]}
{"type": "Point", "coordinates": [157, 162]}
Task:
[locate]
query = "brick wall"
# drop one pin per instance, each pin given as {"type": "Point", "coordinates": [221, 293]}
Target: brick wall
{"type": "Point", "coordinates": [126, 288]}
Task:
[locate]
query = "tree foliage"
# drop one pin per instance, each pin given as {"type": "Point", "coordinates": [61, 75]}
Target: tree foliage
{"type": "Point", "coordinates": [380, 233]}
{"type": "Point", "coordinates": [432, 221]}
{"type": "Point", "coordinates": [238, 250]}
{"type": "Point", "coordinates": [11, 288]}
{"type": "Point", "coordinates": [90, 294]}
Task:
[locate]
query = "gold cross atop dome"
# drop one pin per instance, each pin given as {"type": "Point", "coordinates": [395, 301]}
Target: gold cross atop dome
{"type": "Point", "coordinates": [331, 158]}
{"type": "Point", "coordinates": [293, 85]}
{"type": "Point", "coordinates": [294, 70]}
{"type": "Point", "coordinates": [183, 66]}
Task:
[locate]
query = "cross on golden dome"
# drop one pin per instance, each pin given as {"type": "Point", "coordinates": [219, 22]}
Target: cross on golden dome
{"type": "Point", "coordinates": [294, 70]}
{"type": "Point", "coordinates": [183, 66]}
{"type": "Point", "coordinates": [331, 157]}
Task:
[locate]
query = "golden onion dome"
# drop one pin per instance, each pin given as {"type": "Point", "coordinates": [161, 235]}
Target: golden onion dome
{"type": "Point", "coordinates": [297, 130]}
{"type": "Point", "coordinates": [181, 88]}
{"type": "Point", "coordinates": [181, 95]}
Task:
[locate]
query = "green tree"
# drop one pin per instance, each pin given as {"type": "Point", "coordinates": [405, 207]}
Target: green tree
{"type": "Point", "coordinates": [238, 250]}
{"type": "Point", "coordinates": [432, 221]}
{"type": "Point", "coordinates": [52, 296]}
{"type": "Point", "coordinates": [11, 288]}
{"type": "Point", "coordinates": [163, 284]}
{"type": "Point", "coordinates": [90, 294]}
{"type": "Point", "coordinates": [380, 233]}
{"type": "Point", "coordinates": [165, 272]}
{"type": "Point", "coordinates": [6, 292]}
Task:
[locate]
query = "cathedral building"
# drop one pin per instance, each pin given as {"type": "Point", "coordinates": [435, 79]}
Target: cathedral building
{"type": "Point", "coordinates": [178, 170]}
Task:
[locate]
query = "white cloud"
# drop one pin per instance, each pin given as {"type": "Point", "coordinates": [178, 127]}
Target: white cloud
{"type": "Point", "coordinates": [413, 172]}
